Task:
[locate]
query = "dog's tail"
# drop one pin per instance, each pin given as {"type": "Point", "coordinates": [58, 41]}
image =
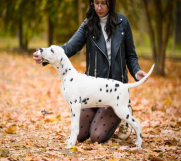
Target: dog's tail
{"type": "Point", "coordinates": [131, 85]}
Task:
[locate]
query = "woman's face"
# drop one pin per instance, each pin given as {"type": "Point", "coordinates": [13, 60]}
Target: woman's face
{"type": "Point", "coordinates": [101, 8]}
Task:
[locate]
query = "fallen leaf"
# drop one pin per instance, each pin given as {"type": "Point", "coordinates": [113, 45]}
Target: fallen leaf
{"type": "Point", "coordinates": [11, 129]}
{"type": "Point", "coordinates": [74, 148]}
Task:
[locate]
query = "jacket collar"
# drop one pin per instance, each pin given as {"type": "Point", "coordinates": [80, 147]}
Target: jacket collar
{"type": "Point", "coordinates": [101, 43]}
{"type": "Point", "coordinates": [116, 39]}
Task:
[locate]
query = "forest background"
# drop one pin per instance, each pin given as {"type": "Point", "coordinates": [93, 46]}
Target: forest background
{"type": "Point", "coordinates": [26, 88]}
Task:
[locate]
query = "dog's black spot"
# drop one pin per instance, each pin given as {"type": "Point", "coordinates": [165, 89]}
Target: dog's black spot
{"type": "Point", "coordinates": [140, 135]}
{"type": "Point", "coordinates": [70, 102]}
{"type": "Point", "coordinates": [57, 67]}
{"type": "Point", "coordinates": [41, 50]}
{"type": "Point", "coordinates": [127, 117]}
{"type": "Point", "coordinates": [71, 110]}
{"type": "Point", "coordinates": [69, 69]}
{"type": "Point", "coordinates": [133, 120]}
{"type": "Point", "coordinates": [115, 89]}
{"type": "Point", "coordinates": [84, 100]}
{"type": "Point", "coordinates": [95, 129]}
{"type": "Point", "coordinates": [71, 79]}
{"type": "Point", "coordinates": [62, 65]}
{"type": "Point", "coordinates": [104, 124]}
{"type": "Point", "coordinates": [106, 85]}
{"type": "Point", "coordinates": [87, 99]}
{"type": "Point", "coordinates": [117, 104]}
{"type": "Point", "coordinates": [100, 89]}
{"type": "Point", "coordinates": [66, 70]}
{"type": "Point", "coordinates": [116, 85]}
{"type": "Point", "coordinates": [64, 89]}
{"type": "Point", "coordinates": [107, 90]}
{"type": "Point", "coordinates": [87, 115]}
{"type": "Point", "coordinates": [110, 90]}
{"type": "Point", "coordinates": [110, 115]}
{"type": "Point", "coordinates": [79, 99]}
{"type": "Point", "coordinates": [81, 126]}
{"type": "Point", "coordinates": [85, 103]}
{"type": "Point", "coordinates": [61, 59]}
{"type": "Point", "coordinates": [100, 100]}
{"type": "Point", "coordinates": [52, 51]}
{"type": "Point", "coordinates": [75, 101]}
{"type": "Point", "coordinates": [64, 80]}
{"type": "Point", "coordinates": [73, 115]}
{"type": "Point", "coordinates": [126, 124]}
{"type": "Point", "coordinates": [117, 97]}
{"type": "Point", "coordinates": [63, 74]}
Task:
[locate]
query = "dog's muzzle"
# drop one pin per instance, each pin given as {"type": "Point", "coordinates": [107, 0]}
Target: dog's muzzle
{"type": "Point", "coordinates": [44, 61]}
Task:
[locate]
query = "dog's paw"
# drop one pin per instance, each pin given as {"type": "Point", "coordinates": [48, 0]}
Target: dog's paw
{"type": "Point", "coordinates": [138, 143]}
{"type": "Point", "coordinates": [70, 143]}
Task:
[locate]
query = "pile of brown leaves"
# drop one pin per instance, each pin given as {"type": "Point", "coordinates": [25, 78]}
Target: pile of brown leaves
{"type": "Point", "coordinates": [25, 134]}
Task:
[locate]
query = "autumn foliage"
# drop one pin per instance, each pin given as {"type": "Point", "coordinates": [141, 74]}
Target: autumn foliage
{"type": "Point", "coordinates": [26, 134]}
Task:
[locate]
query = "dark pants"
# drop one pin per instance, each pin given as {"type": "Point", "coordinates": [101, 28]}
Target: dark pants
{"type": "Point", "coordinates": [97, 123]}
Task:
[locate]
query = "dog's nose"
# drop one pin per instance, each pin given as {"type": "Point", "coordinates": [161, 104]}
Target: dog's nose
{"type": "Point", "coordinates": [41, 50]}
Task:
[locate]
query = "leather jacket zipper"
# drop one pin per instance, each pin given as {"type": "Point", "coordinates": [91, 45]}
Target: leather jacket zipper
{"type": "Point", "coordinates": [103, 53]}
{"type": "Point", "coordinates": [121, 67]}
{"type": "Point", "coordinates": [95, 70]}
{"type": "Point", "coordinates": [89, 65]}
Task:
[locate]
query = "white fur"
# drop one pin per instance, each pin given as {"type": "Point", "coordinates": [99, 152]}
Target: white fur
{"type": "Point", "coordinates": [82, 91]}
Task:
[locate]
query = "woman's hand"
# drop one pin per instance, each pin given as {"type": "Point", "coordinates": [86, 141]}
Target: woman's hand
{"type": "Point", "coordinates": [140, 74]}
{"type": "Point", "coordinates": [36, 57]}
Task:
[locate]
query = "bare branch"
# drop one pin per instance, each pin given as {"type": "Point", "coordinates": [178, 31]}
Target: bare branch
{"type": "Point", "coordinates": [45, 112]}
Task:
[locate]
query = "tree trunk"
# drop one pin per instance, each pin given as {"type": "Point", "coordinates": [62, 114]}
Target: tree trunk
{"type": "Point", "coordinates": [178, 23]}
{"type": "Point", "coordinates": [160, 41]}
{"type": "Point", "coordinates": [150, 28]}
{"type": "Point", "coordinates": [50, 31]}
{"type": "Point", "coordinates": [20, 34]}
{"type": "Point", "coordinates": [80, 22]}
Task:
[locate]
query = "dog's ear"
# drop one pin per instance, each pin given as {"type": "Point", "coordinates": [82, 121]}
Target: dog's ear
{"type": "Point", "coordinates": [45, 63]}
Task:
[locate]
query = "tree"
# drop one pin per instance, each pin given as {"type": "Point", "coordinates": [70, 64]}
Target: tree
{"type": "Point", "coordinates": [22, 17]}
{"type": "Point", "coordinates": [178, 23]}
{"type": "Point", "coordinates": [159, 13]}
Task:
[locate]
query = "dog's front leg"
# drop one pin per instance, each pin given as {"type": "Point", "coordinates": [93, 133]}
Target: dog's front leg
{"type": "Point", "coordinates": [75, 109]}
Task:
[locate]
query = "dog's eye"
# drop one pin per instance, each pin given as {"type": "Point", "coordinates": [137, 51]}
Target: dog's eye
{"type": "Point", "coordinates": [52, 51]}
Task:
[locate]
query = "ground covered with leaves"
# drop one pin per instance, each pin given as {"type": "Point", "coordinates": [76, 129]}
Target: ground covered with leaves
{"type": "Point", "coordinates": [25, 134]}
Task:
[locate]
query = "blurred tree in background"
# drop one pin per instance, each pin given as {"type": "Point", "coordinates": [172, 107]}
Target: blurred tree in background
{"type": "Point", "coordinates": [58, 20]}
{"type": "Point", "coordinates": [159, 21]}
{"type": "Point", "coordinates": [22, 18]}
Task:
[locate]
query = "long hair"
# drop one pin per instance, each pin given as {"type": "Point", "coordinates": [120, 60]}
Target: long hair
{"type": "Point", "coordinates": [93, 27]}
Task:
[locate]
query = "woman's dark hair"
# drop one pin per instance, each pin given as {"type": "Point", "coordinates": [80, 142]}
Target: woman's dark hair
{"type": "Point", "coordinates": [92, 26]}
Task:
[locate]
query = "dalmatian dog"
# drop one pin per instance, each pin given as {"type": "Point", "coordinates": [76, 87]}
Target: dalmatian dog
{"type": "Point", "coordinates": [82, 91]}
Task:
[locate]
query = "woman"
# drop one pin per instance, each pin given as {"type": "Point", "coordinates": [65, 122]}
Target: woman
{"type": "Point", "coordinates": [109, 48]}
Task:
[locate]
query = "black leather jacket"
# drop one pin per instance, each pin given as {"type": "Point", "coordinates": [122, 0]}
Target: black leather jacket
{"type": "Point", "coordinates": [122, 52]}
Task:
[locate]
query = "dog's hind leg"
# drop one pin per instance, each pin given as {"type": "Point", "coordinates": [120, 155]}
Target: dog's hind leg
{"type": "Point", "coordinates": [125, 114]}
{"type": "Point", "coordinates": [75, 117]}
